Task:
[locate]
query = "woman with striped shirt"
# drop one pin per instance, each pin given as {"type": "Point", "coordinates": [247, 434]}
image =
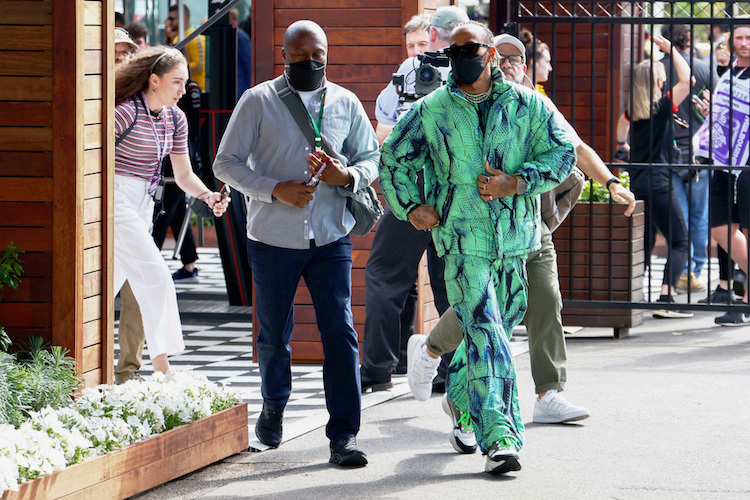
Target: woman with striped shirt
{"type": "Point", "coordinates": [149, 126]}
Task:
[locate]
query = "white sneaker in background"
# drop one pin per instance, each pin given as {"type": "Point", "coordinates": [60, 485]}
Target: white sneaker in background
{"type": "Point", "coordinates": [421, 367]}
{"type": "Point", "coordinates": [554, 409]}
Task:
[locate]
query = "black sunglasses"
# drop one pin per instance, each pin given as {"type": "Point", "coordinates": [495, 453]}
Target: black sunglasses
{"type": "Point", "coordinates": [514, 59]}
{"type": "Point", "coordinates": [470, 48]}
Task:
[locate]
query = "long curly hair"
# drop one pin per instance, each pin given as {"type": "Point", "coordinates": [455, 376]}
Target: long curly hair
{"type": "Point", "coordinates": [131, 77]}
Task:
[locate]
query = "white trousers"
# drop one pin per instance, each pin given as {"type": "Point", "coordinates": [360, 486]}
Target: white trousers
{"type": "Point", "coordinates": [139, 261]}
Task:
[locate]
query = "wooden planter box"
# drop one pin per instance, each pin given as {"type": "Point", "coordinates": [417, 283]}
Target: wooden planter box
{"type": "Point", "coordinates": [601, 258]}
{"type": "Point", "coordinates": [146, 464]}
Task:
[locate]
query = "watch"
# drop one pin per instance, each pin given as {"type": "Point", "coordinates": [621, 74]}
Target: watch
{"type": "Point", "coordinates": [521, 186]}
{"type": "Point", "coordinates": [613, 179]}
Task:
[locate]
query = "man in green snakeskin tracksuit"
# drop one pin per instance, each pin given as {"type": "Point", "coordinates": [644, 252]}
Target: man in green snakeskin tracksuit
{"type": "Point", "coordinates": [476, 136]}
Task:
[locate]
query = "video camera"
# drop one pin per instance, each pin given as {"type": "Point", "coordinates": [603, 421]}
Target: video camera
{"type": "Point", "coordinates": [427, 78]}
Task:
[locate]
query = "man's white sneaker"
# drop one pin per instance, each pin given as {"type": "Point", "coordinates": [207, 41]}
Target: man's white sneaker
{"type": "Point", "coordinates": [421, 367]}
{"type": "Point", "coordinates": [502, 458]}
{"type": "Point", "coordinates": [462, 436]}
{"type": "Point", "coordinates": [554, 409]}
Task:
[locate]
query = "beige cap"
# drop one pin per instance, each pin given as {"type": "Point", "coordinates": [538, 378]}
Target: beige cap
{"type": "Point", "coordinates": [122, 36]}
{"type": "Point", "coordinates": [506, 38]}
{"type": "Point", "coordinates": [448, 17]}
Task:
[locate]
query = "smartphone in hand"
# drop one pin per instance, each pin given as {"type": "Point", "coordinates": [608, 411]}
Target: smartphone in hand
{"type": "Point", "coordinates": [621, 155]}
{"type": "Point", "coordinates": [699, 102]}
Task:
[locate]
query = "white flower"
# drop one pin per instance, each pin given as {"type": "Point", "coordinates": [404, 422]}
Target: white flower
{"type": "Point", "coordinates": [103, 419]}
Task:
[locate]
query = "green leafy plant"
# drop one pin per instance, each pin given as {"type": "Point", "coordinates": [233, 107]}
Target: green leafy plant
{"type": "Point", "coordinates": [593, 191]}
{"type": "Point", "coordinates": [33, 377]}
{"type": "Point", "coordinates": [10, 274]}
{"type": "Point", "coordinates": [37, 375]}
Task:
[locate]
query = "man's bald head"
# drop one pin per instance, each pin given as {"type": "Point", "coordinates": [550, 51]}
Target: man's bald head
{"type": "Point", "coordinates": [304, 28]}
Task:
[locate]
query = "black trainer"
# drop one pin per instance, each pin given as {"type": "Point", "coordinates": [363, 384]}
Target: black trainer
{"type": "Point", "coordinates": [719, 296]}
{"type": "Point", "coordinates": [738, 285]}
{"type": "Point", "coordinates": [370, 384]}
{"type": "Point", "coordinates": [268, 428]}
{"type": "Point", "coordinates": [668, 313]}
{"type": "Point", "coordinates": [346, 453]}
{"type": "Point", "coordinates": [733, 318]}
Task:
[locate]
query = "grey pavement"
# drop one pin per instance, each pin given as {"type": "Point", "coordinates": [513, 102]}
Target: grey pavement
{"type": "Point", "coordinates": [669, 419]}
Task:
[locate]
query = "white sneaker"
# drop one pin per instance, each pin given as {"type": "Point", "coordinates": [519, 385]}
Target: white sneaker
{"type": "Point", "coordinates": [462, 436]}
{"type": "Point", "coordinates": [421, 367]}
{"type": "Point", "coordinates": [554, 409]}
{"type": "Point", "coordinates": [502, 459]}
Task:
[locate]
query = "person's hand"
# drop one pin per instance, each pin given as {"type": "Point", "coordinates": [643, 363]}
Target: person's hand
{"type": "Point", "coordinates": [294, 193]}
{"type": "Point", "coordinates": [704, 109]}
{"type": "Point", "coordinates": [663, 44]}
{"type": "Point", "coordinates": [424, 217]}
{"type": "Point", "coordinates": [216, 204]}
{"type": "Point", "coordinates": [496, 185]}
{"type": "Point", "coordinates": [621, 194]}
{"type": "Point", "coordinates": [625, 147]}
{"type": "Point", "coordinates": [335, 173]}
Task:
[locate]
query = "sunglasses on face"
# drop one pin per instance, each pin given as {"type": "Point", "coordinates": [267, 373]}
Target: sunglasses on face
{"type": "Point", "coordinates": [470, 48]}
{"type": "Point", "coordinates": [514, 60]}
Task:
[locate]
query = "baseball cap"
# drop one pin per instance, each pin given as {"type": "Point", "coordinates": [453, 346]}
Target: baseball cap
{"type": "Point", "coordinates": [506, 38]}
{"type": "Point", "coordinates": [122, 36]}
{"type": "Point", "coordinates": [448, 17]}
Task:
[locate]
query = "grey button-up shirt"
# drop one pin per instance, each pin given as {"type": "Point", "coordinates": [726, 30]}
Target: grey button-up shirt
{"type": "Point", "coordinates": [263, 146]}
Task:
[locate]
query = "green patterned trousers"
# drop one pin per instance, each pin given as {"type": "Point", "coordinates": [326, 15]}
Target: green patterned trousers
{"type": "Point", "coordinates": [490, 299]}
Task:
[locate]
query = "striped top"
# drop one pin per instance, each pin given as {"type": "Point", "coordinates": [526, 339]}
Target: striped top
{"type": "Point", "coordinates": [137, 155]}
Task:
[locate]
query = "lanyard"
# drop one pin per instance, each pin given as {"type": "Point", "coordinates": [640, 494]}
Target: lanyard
{"type": "Point", "coordinates": [159, 149]}
{"type": "Point", "coordinates": [316, 126]}
{"type": "Point", "coordinates": [157, 173]}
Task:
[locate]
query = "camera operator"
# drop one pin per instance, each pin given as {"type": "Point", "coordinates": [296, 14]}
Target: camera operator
{"type": "Point", "coordinates": [388, 107]}
{"type": "Point", "coordinates": [397, 248]}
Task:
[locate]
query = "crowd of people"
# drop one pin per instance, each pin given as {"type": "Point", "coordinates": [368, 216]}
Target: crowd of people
{"type": "Point", "coordinates": [468, 171]}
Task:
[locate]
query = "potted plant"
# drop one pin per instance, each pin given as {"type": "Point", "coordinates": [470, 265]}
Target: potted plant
{"type": "Point", "coordinates": [601, 259]}
{"type": "Point", "coordinates": [56, 441]}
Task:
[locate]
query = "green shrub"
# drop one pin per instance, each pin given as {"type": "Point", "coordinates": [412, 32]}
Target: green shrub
{"type": "Point", "coordinates": [10, 274]}
{"type": "Point", "coordinates": [34, 377]}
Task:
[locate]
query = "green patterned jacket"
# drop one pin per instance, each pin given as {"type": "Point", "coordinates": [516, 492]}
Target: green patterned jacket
{"type": "Point", "coordinates": [441, 133]}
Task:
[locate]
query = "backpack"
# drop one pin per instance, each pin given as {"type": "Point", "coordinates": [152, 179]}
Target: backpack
{"type": "Point", "coordinates": [132, 124]}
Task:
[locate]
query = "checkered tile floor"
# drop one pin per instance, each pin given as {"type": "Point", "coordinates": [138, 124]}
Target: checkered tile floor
{"type": "Point", "coordinates": [222, 351]}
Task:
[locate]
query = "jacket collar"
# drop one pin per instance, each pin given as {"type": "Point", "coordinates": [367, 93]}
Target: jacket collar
{"type": "Point", "coordinates": [502, 90]}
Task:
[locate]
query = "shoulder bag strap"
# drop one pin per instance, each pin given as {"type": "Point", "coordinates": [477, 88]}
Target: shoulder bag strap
{"type": "Point", "coordinates": [296, 108]}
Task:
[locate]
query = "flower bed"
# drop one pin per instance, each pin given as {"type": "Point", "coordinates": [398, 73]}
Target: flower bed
{"type": "Point", "coordinates": [110, 418]}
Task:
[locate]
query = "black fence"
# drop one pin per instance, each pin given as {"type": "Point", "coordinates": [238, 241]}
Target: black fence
{"type": "Point", "coordinates": [595, 49]}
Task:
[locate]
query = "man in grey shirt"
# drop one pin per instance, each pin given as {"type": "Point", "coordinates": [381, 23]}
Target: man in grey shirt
{"type": "Point", "coordinates": [296, 229]}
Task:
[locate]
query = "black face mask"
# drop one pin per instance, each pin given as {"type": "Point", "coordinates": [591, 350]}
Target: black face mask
{"type": "Point", "coordinates": [467, 67]}
{"type": "Point", "coordinates": [306, 75]}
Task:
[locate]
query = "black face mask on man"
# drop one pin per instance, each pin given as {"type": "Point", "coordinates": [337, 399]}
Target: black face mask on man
{"type": "Point", "coordinates": [467, 67]}
{"type": "Point", "coordinates": [306, 75]}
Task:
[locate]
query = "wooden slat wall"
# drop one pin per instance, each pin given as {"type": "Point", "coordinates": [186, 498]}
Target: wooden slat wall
{"type": "Point", "coordinates": [56, 170]}
{"type": "Point", "coordinates": [365, 48]}
{"type": "Point", "coordinates": [26, 151]}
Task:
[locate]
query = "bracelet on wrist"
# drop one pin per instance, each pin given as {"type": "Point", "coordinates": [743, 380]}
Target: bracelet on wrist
{"type": "Point", "coordinates": [613, 180]}
{"type": "Point", "coordinates": [620, 143]}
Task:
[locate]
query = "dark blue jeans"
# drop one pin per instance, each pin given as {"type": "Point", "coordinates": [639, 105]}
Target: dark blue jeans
{"type": "Point", "coordinates": [327, 271]}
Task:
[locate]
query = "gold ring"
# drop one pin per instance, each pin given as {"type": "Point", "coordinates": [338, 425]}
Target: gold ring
{"type": "Point", "coordinates": [490, 197]}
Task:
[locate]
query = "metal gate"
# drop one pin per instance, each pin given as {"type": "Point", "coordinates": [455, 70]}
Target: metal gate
{"type": "Point", "coordinates": [594, 48]}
